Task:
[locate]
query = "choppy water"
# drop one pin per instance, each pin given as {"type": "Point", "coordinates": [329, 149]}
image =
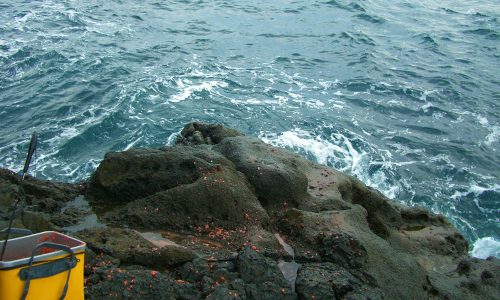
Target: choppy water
{"type": "Point", "coordinates": [403, 94]}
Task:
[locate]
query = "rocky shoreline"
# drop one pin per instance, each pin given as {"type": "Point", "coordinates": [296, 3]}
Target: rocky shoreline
{"type": "Point", "coordinates": [221, 215]}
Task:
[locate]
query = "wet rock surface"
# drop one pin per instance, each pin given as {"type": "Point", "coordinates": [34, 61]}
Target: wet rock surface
{"type": "Point", "coordinates": [220, 215]}
{"type": "Point", "coordinates": [39, 201]}
{"type": "Point", "coordinates": [130, 248]}
{"type": "Point", "coordinates": [323, 280]}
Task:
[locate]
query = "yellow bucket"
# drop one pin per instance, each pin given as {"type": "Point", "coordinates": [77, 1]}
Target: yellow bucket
{"type": "Point", "coordinates": [43, 266]}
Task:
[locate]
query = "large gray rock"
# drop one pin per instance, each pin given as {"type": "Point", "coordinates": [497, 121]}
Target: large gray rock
{"type": "Point", "coordinates": [137, 173]}
{"type": "Point", "coordinates": [275, 174]}
{"type": "Point", "coordinates": [221, 194]}
{"type": "Point", "coordinates": [176, 187]}
{"type": "Point", "coordinates": [218, 192]}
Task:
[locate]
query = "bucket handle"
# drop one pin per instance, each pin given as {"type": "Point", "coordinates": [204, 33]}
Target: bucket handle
{"type": "Point", "coordinates": [54, 267]}
{"type": "Point", "coordinates": [20, 231]}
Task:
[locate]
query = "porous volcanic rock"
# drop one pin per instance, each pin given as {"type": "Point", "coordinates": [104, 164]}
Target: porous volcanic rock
{"type": "Point", "coordinates": [234, 211]}
{"type": "Point", "coordinates": [130, 248]}
{"type": "Point", "coordinates": [38, 200]}
{"type": "Point", "coordinates": [204, 186]}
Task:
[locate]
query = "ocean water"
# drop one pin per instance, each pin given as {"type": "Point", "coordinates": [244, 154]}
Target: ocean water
{"type": "Point", "coordinates": [403, 94]}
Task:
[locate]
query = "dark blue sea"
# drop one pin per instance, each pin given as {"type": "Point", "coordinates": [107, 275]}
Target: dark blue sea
{"type": "Point", "coordinates": [403, 94]}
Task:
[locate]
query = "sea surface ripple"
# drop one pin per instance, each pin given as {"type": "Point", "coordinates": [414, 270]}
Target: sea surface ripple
{"type": "Point", "coordinates": [402, 94]}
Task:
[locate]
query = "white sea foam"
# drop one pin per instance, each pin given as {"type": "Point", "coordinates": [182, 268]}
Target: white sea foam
{"type": "Point", "coordinates": [424, 95]}
{"type": "Point", "coordinates": [132, 144]}
{"type": "Point", "coordinates": [393, 102]}
{"type": "Point", "coordinates": [326, 84]}
{"type": "Point", "coordinates": [209, 112]}
{"type": "Point", "coordinates": [403, 149]}
{"type": "Point", "coordinates": [482, 120]}
{"type": "Point", "coordinates": [171, 138]}
{"type": "Point", "coordinates": [478, 190]}
{"type": "Point", "coordinates": [319, 148]}
{"type": "Point", "coordinates": [486, 247]}
{"type": "Point", "coordinates": [310, 103]}
{"type": "Point", "coordinates": [474, 191]}
{"type": "Point", "coordinates": [337, 151]}
{"type": "Point", "coordinates": [458, 194]}
{"type": "Point", "coordinates": [441, 158]}
{"type": "Point", "coordinates": [187, 88]}
{"type": "Point", "coordinates": [69, 132]}
{"type": "Point", "coordinates": [426, 106]}
{"type": "Point", "coordinates": [493, 136]}
{"type": "Point", "coordinates": [280, 100]}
